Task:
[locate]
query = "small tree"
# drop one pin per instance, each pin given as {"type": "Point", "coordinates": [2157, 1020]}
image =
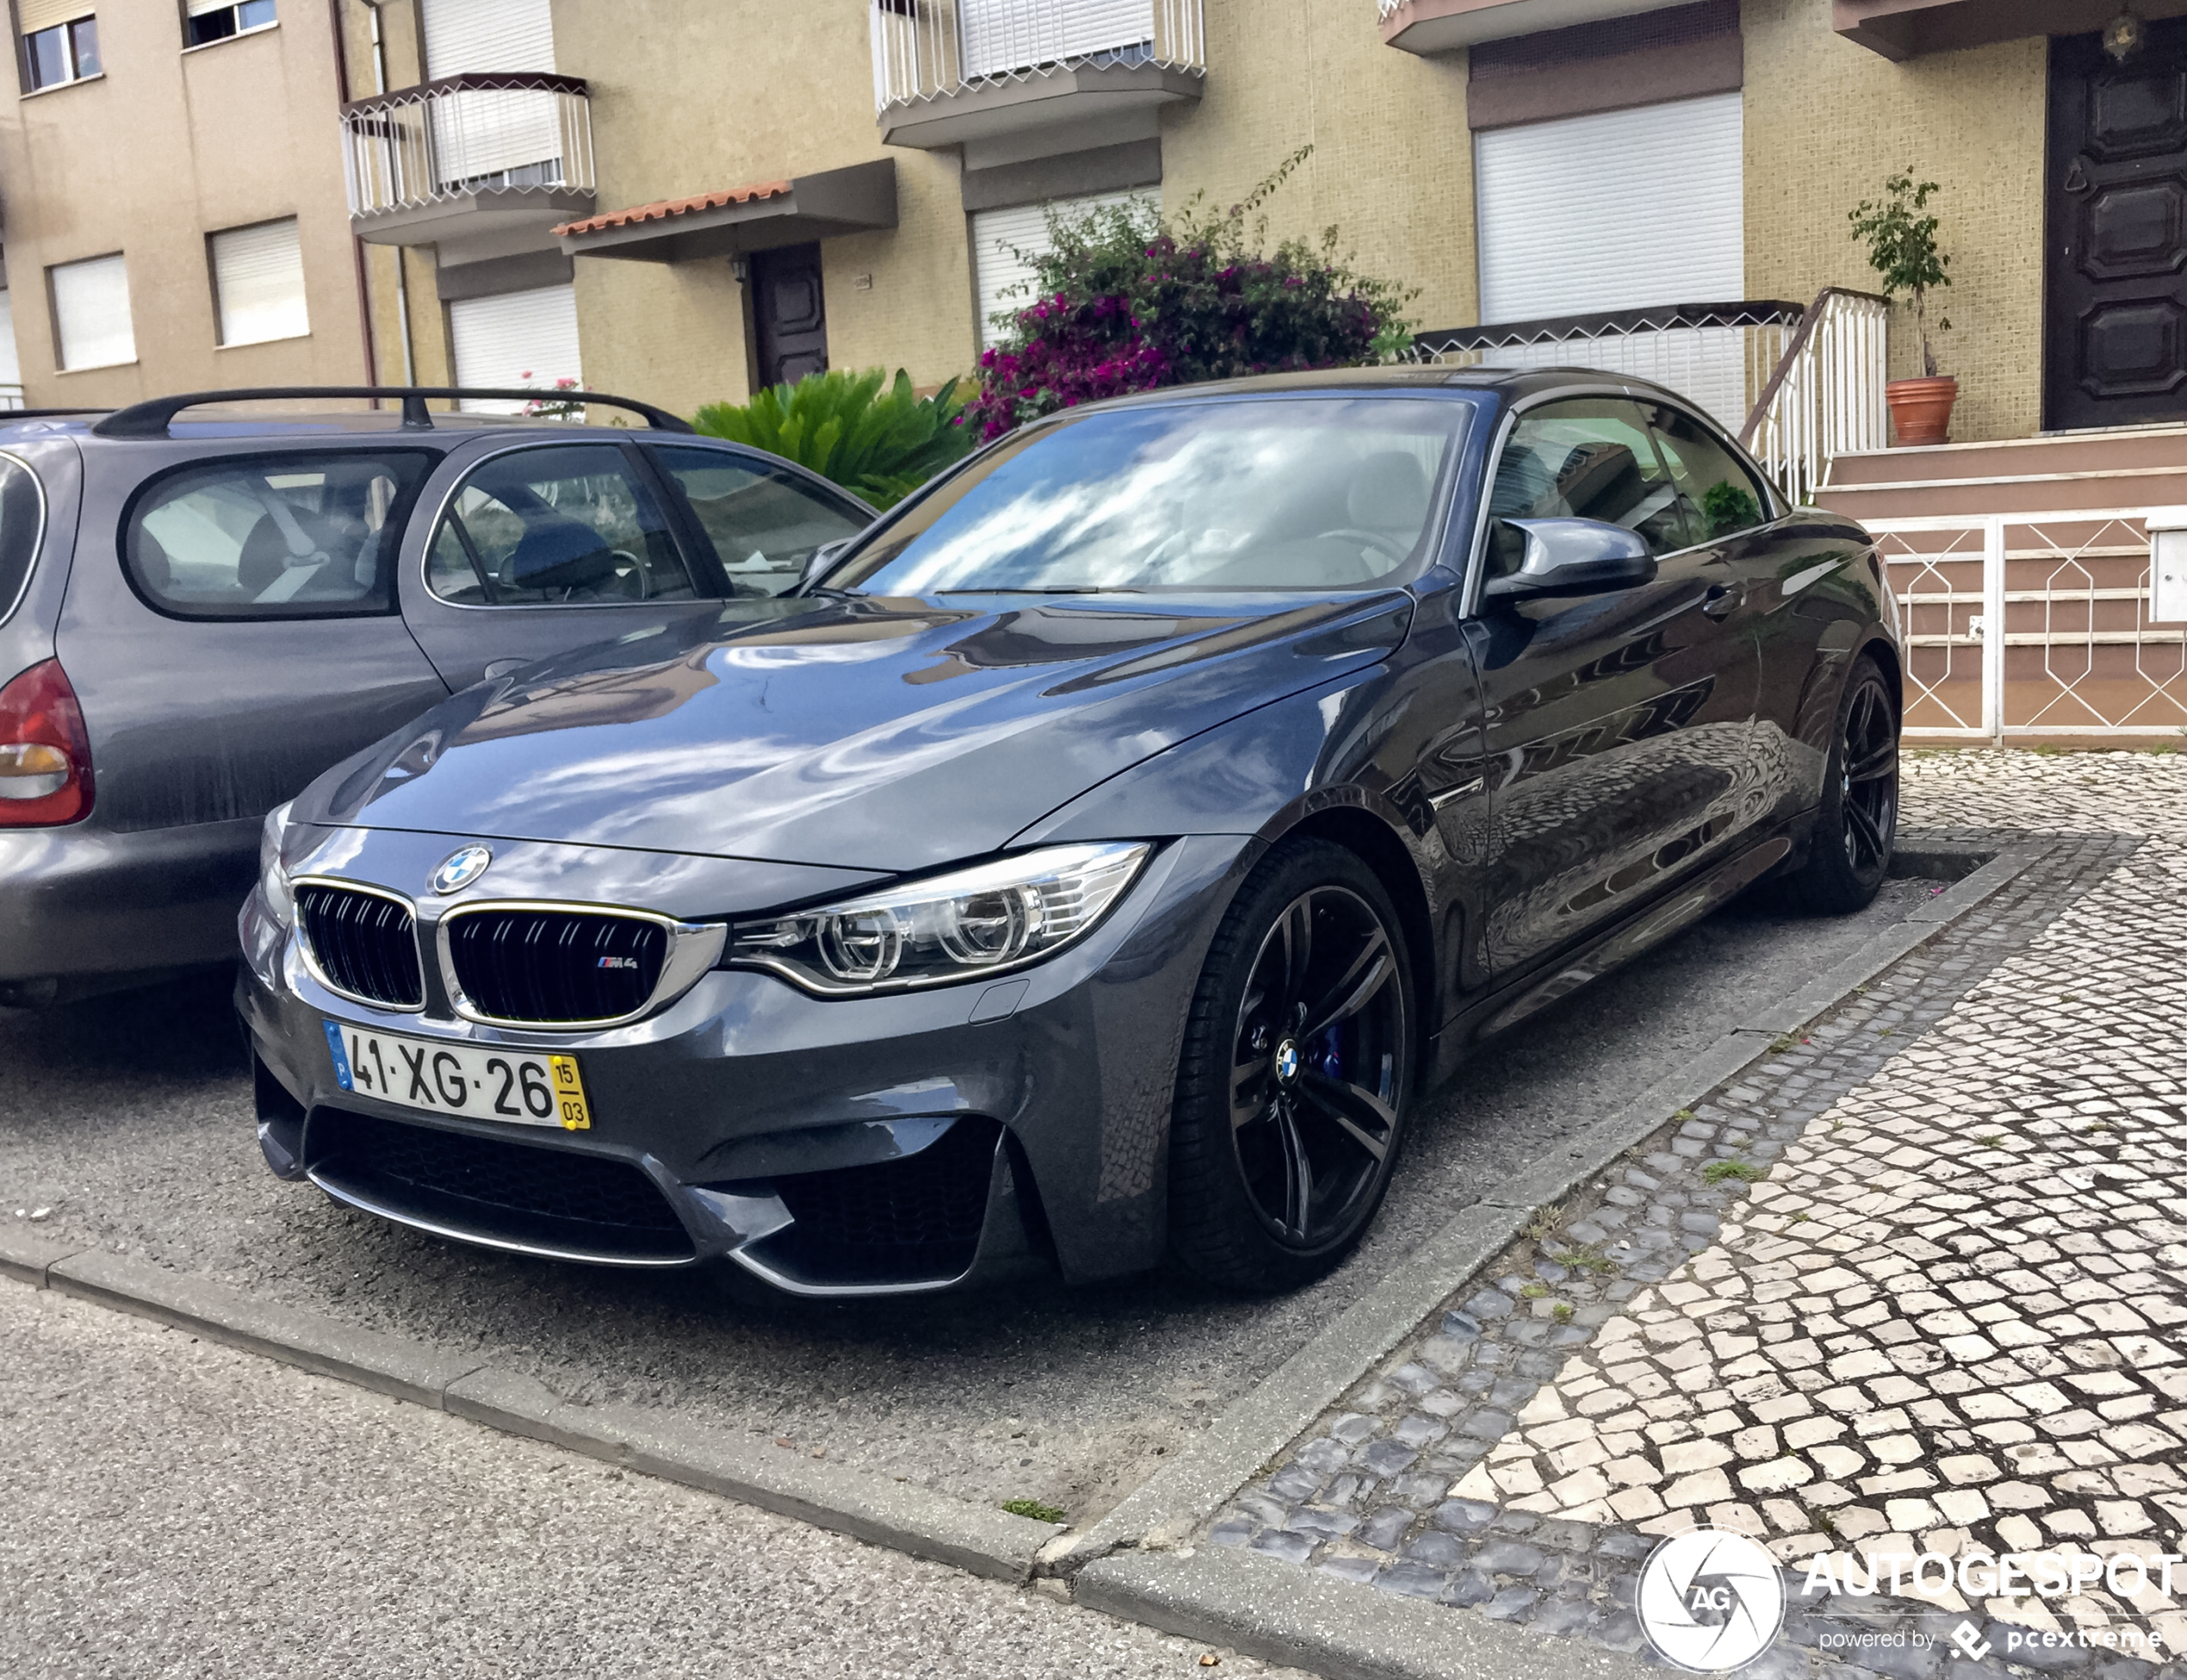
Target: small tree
{"type": "Point", "coordinates": [1126, 300]}
{"type": "Point", "coordinates": [1902, 248]}
{"type": "Point", "coordinates": [878, 443]}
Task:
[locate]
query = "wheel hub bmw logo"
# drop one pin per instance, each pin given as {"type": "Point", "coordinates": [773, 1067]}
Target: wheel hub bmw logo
{"type": "Point", "coordinates": [1287, 1060]}
{"type": "Point", "coordinates": [462, 867]}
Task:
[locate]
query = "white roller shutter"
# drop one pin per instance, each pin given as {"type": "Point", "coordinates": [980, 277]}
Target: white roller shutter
{"type": "Point", "coordinates": [479, 134]}
{"type": "Point", "coordinates": [998, 237]}
{"type": "Point", "coordinates": [10, 365]}
{"type": "Point", "coordinates": [258, 282]}
{"type": "Point", "coordinates": [1614, 211]}
{"type": "Point", "coordinates": [1003, 36]}
{"type": "Point", "coordinates": [34, 15]}
{"type": "Point", "coordinates": [91, 313]}
{"type": "Point", "coordinates": [519, 338]}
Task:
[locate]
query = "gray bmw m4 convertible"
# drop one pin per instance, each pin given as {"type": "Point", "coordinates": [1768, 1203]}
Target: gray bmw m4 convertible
{"type": "Point", "coordinates": [1094, 861]}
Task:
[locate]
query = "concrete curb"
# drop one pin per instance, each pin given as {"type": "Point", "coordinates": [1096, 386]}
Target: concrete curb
{"type": "Point", "coordinates": [1341, 1629]}
{"type": "Point", "coordinates": [885, 1512]}
{"type": "Point", "coordinates": [1162, 1510]}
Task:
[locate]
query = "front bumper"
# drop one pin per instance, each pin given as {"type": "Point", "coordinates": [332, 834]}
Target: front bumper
{"type": "Point", "coordinates": [84, 906]}
{"type": "Point", "coordinates": [828, 1146]}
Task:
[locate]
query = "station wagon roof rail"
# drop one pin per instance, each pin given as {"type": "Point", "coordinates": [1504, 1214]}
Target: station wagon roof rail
{"type": "Point", "coordinates": [153, 419]}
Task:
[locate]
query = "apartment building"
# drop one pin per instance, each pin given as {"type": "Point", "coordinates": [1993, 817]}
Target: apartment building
{"type": "Point", "coordinates": [171, 175]}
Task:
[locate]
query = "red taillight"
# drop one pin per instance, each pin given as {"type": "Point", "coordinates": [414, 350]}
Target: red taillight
{"type": "Point", "coordinates": [45, 754]}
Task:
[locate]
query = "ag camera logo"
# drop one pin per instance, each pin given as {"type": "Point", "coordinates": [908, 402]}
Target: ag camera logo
{"type": "Point", "coordinates": [1710, 1601]}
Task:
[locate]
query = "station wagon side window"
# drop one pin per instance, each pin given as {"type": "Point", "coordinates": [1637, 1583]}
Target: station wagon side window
{"type": "Point", "coordinates": [273, 536]}
{"type": "Point", "coordinates": [764, 521]}
{"type": "Point", "coordinates": [22, 522]}
{"type": "Point", "coordinates": [1584, 458]}
{"type": "Point", "coordinates": [569, 525]}
{"type": "Point", "coordinates": [1722, 493]}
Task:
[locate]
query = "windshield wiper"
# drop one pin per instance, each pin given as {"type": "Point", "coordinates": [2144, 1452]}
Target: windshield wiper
{"type": "Point", "coordinates": [1055, 589]}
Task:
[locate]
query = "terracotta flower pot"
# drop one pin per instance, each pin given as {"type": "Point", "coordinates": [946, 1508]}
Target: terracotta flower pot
{"type": "Point", "coordinates": [1921, 409]}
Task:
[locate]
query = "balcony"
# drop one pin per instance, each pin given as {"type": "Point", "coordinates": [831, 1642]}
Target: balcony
{"type": "Point", "coordinates": [482, 167]}
{"type": "Point", "coordinates": [1442, 26]}
{"type": "Point", "coordinates": [1024, 79]}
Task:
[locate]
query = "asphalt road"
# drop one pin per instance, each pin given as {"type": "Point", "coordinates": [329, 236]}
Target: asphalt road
{"type": "Point", "coordinates": [177, 1508]}
{"type": "Point", "coordinates": [129, 1118]}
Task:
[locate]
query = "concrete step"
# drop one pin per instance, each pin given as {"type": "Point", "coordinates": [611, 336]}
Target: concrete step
{"type": "Point", "coordinates": [2110, 450]}
{"type": "Point", "coordinates": [1935, 494]}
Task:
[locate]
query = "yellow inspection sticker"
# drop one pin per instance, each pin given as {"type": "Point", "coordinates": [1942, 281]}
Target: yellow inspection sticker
{"type": "Point", "coordinates": [569, 1093]}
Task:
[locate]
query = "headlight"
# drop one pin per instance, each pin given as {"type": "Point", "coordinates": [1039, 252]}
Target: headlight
{"type": "Point", "coordinates": [976, 922]}
{"type": "Point", "coordinates": [272, 881]}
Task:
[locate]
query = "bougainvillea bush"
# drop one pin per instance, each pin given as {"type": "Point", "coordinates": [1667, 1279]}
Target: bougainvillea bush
{"type": "Point", "coordinates": [1124, 301]}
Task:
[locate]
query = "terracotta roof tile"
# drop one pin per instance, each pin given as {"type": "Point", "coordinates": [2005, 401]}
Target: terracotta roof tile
{"type": "Point", "coordinates": [662, 210]}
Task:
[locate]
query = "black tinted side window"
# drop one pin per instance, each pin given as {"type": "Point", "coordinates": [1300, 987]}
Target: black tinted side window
{"type": "Point", "coordinates": [273, 536]}
{"type": "Point", "coordinates": [1588, 458]}
{"type": "Point", "coordinates": [22, 522]}
{"type": "Point", "coordinates": [1723, 494]}
{"type": "Point", "coordinates": [764, 521]}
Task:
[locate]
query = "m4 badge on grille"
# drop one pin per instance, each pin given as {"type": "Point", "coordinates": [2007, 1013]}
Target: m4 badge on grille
{"type": "Point", "coordinates": [618, 962]}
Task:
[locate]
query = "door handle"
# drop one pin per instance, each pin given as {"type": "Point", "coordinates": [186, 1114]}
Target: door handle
{"type": "Point", "coordinates": [1720, 600]}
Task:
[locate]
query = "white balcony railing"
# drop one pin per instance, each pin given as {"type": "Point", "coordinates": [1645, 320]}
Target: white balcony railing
{"type": "Point", "coordinates": [1825, 399]}
{"type": "Point", "coordinates": [420, 146]}
{"type": "Point", "coordinates": [1719, 356]}
{"type": "Point", "coordinates": [927, 49]}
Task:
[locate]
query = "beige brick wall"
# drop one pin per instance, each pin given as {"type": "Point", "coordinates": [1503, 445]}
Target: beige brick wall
{"type": "Point", "coordinates": [1392, 167]}
{"type": "Point", "coordinates": [1826, 121]}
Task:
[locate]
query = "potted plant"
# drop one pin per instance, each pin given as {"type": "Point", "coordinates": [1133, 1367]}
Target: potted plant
{"type": "Point", "coordinates": [1902, 248]}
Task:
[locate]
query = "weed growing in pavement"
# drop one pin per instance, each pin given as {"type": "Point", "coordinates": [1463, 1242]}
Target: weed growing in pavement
{"type": "Point", "coordinates": [1802, 1216]}
{"type": "Point", "coordinates": [1562, 1312]}
{"type": "Point", "coordinates": [1683, 1114]}
{"type": "Point", "coordinates": [1033, 1509]}
{"type": "Point", "coordinates": [1547, 1223]}
{"type": "Point", "coordinates": [1533, 1291]}
{"type": "Point", "coordinates": [1991, 1141]}
{"type": "Point", "coordinates": [1781, 1043]}
{"type": "Point", "coordinates": [1592, 1260]}
{"type": "Point", "coordinates": [2047, 751]}
{"type": "Point", "coordinates": [1886, 1031]}
{"type": "Point", "coordinates": [1745, 1171]}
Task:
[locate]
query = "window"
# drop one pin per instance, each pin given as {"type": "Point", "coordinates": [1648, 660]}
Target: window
{"type": "Point", "coordinates": [60, 42]}
{"type": "Point", "coordinates": [555, 527]}
{"type": "Point", "coordinates": [258, 283]}
{"type": "Point", "coordinates": [1715, 484]}
{"type": "Point", "coordinates": [519, 339]}
{"type": "Point", "coordinates": [1005, 243]}
{"type": "Point", "coordinates": [763, 522]}
{"type": "Point", "coordinates": [273, 537]}
{"type": "Point", "coordinates": [91, 323]}
{"type": "Point", "coordinates": [1590, 458]}
{"type": "Point", "coordinates": [207, 21]}
{"type": "Point", "coordinates": [22, 519]}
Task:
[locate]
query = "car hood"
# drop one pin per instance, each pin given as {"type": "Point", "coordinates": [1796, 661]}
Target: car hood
{"type": "Point", "coordinates": [861, 733]}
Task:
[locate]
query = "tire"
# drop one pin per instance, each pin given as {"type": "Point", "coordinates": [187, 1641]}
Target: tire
{"type": "Point", "coordinates": [1331, 1098]}
{"type": "Point", "coordinates": [1849, 854]}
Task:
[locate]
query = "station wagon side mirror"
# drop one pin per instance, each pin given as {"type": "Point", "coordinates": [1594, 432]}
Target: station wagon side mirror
{"type": "Point", "coordinates": [821, 559]}
{"type": "Point", "coordinates": [1572, 557]}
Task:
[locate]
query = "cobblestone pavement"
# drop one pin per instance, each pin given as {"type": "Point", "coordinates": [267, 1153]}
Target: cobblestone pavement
{"type": "Point", "coordinates": [1916, 1282]}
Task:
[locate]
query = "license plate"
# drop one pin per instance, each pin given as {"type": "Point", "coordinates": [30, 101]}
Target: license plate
{"type": "Point", "coordinates": [478, 1081]}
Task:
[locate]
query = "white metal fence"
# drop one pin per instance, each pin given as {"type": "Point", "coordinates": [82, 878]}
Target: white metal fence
{"type": "Point", "coordinates": [1719, 354]}
{"type": "Point", "coordinates": [468, 133]}
{"type": "Point", "coordinates": [1826, 398]}
{"type": "Point", "coordinates": [924, 49]}
{"type": "Point", "coordinates": [10, 397]}
{"type": "Point", "coordinates": [2022, 624]}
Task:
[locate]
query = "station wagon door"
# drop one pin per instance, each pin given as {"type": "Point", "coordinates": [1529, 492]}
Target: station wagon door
{"type": "Point", "coordinates": [245, 637]}
{"type": "Point", "coordinates": [518, 553]}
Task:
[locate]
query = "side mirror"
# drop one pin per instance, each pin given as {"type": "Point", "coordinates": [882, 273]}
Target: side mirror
{"type": "Point", "coordinates": [1572, 557]}
{"type": "Point", "coordinates": [819, 560]}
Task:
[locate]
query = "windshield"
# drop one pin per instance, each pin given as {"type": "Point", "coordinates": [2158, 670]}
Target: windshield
{"type": "Point", "coordinates": [1316, 492]}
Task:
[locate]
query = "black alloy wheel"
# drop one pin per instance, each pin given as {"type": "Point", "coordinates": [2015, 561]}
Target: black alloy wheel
{"type": "Point", "coordinates": [1857, 826]}
{"type": "Point", "coordinates": [1298, 1067]}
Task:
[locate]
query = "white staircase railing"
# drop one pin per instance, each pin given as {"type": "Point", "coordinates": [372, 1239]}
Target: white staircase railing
{"type": "Point", "coordinates": [1826, 396]}
{"type": "Point", "coordinates": [927, 49]}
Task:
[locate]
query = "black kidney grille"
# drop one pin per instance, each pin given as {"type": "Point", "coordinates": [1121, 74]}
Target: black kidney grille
{"type": "Point", "coordinates": [556, 966]}
{"type": "Point", "coordinates": [514, 1191]}
{"type": "Point", "coordinates": [913, 1220]}
{"type": "Point", "coordinates": [365, 944]}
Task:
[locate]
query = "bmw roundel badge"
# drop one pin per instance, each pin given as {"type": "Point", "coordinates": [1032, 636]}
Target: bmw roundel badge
{"type": "Point", "coordinates": [462, 867]}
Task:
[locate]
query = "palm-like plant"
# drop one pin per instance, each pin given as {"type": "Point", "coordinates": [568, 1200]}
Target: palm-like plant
{"type": "Point", "coordinates": [877, 444]}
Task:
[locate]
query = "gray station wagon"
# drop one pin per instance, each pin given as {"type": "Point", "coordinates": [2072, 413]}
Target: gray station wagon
{"type": "Point", "coordinates": [199, 611]}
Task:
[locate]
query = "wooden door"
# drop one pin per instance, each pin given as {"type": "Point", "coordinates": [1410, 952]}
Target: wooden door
{"type": "Point", "coordinates": [789, 313]}
{"type": "Point", "coordinates": [2116, 306]}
